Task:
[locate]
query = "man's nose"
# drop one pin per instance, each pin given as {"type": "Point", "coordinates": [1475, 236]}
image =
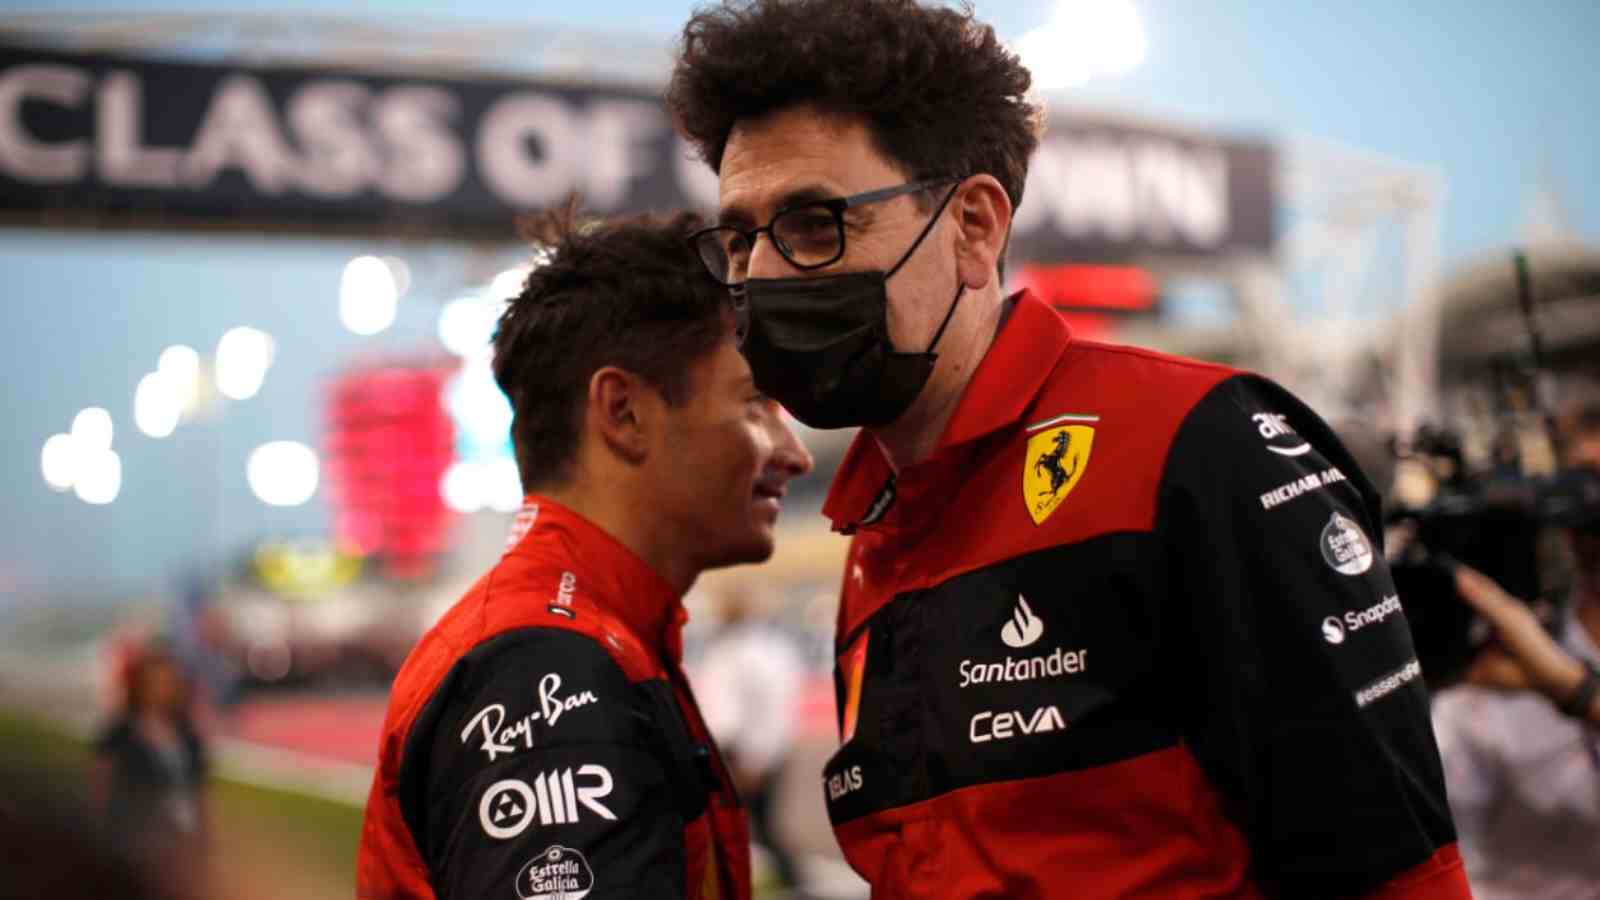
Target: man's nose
{"type": "Point", "coordinates": [766, 261]}
{"type": "Point", "coordinates": [790, 453]}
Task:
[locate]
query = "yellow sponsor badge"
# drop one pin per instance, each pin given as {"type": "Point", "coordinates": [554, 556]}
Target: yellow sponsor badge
{"type": "Point", "coordinates": [1057, 455]}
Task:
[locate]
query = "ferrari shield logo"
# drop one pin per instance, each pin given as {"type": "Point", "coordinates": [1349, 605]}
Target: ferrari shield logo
{"type": "Point", "coordinates": [1056, 460]}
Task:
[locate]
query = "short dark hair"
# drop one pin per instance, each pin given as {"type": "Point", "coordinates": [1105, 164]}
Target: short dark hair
{"type": "Point", "coordinates": [938, 91]}
{"type": "Point", "coordinates": [628, 292]}
{"type": "Point", "coordinates": [154, 655]}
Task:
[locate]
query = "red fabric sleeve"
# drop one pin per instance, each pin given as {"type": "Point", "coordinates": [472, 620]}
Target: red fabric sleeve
{"type": "Point", "coordinates": [1441, 877]}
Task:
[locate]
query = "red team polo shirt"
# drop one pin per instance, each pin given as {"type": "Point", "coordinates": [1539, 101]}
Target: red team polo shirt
{"type": "Point", "coordinates": [542, 743]}
{"type": "Point", "coordinates": [1127, 633]}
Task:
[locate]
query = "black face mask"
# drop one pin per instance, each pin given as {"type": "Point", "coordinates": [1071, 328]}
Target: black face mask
{"type": "Point", "coordinates": [820, 346]}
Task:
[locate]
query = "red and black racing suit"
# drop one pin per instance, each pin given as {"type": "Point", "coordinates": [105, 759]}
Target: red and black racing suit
{"type": "Point", "coordinates": [1127, 633]}
{"type": "Point", "coordinates": [541, 741]}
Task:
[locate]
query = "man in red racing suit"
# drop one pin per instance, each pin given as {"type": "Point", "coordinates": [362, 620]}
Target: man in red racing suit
{"type": "Point", "coordinates": [541, 740]}
{"type": "Point", "coordinates": [1113, 624]}
{"type": "Point", "coordinates": [1128, 632]}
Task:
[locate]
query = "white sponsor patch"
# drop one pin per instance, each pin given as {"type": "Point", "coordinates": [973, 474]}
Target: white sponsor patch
{"type": "Point", "coordinates": [522, 524]}
{"type": "Point", "coordinates": [1280, 436]}
{"type": "Point", "coordinates": [1023, 628]}
{"type": "Point", "coordinates": [559, 873]}
{"type": "Point", "coordinates": [1289, 490]}
{"type": "Point", "coordinates": [1333, 630]}
{"type": "Point", "coordinates": [1344, 547]}
{"type": "Point", "coordinates": [500, 736]}
{"type": "Point", "coordinates": [842, 783]}
{"type": "Point", "coordinates": [1336, 628]}
{"type": "Point", "coordinates": [1056, 664]}
{"type": "Point", "coordinates": [510, 805]}
{"type": "Point", "coordinates": [1388, 684]}
{"type": "Point", "coordinates": [999, 726]}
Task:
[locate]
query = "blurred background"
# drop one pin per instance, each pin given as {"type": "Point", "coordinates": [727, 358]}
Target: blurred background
{"type": "Point", "coordinates": [252, 255]}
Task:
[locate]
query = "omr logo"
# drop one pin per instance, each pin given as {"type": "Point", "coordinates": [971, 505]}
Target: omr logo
{"type": "Point", "coordinates": [1023, 628]}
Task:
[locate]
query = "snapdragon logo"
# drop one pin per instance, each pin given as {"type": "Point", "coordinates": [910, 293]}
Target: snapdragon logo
{"type": "Point", "coordinates": [1336, 628]}
{"type": "Point", "coordinates": [1023, 628]}
{"type": "Point", "coordinates": [1333, 630]}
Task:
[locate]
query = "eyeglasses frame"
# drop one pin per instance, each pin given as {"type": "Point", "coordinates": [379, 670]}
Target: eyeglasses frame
{"type": "Point", "coordinates": [834, 205]}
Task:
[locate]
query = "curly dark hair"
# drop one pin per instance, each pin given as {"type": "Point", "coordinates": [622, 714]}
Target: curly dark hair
{"type": "Point", "coordinates": [628, 292]}
{"type": "Point", "coordinates": [939, 92]}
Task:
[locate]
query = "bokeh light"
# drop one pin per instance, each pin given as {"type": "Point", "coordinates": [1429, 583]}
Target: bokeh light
{"type": "Point", "coordinates": [368, 295]}
{"type": "Point", "coordinates": [508, 284]}
{"type": "Point", "coordinates": [59, 461]}
{"type": "Point", "coordinates": [157, 405]}
{"type": "Point", "coordinates": [179, 366]}
{"type": "Point", "coordinates": [92, 430]}
{"type": "Point", "coordinates": [1082, 40]}
{"type": "Point", "coordinates": [99, 476]}
{"type": "Point", "coordinates": [467, 324]}
{"type": "Point", "coordinates": [243, 357]}
{"type": "Point", "coordinates": [283, 473]}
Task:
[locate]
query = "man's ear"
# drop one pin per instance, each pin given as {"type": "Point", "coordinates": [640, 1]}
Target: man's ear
{"type": "Point", "coordinates": [983, 215]}
{"type": "Point", "coordinates": [621, 411]}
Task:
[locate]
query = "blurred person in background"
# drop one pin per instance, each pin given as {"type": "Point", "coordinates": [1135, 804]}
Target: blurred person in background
{"type": "Point", "coordinates": [541, 739]}
{"type": "Point", "coordinates": [748, 680]}
{"type": "Point", "coordinates": [1521, 738]}
{"type": "Point", "coordinates": [148, 777]}
{"type": "Point", "coordinates": [1081, 643]}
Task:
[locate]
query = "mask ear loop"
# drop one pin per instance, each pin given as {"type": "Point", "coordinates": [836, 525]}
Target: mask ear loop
{"type": "Point", "coordinates": [950, 314]}
{"type": "Point", "coordinates": [932, 221]}
{"type": "Point", "coordinates": [960, 288]}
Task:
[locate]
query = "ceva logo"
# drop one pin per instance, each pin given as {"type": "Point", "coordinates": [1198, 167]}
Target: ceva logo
{"type": "Point", "coordinates": [1023, 628]}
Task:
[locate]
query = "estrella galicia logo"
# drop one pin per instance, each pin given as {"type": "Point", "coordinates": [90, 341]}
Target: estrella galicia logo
{"type": "Point", "coordinates": [1280, 436]}
{"type": "Point", "coordinates": [1023, 628]}
{"type": "Point", "coordinates": [1344, 547]}
{"type": "Point", "coordinates": [1333, 630]}
{"type": "Point", "coordinates": [559, 873]}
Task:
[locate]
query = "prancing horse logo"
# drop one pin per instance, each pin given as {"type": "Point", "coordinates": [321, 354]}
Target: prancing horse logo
{"type": "Point", "coordinates": [1051, 462]}
{"type": "Point", "coordinates": [1055, 463]}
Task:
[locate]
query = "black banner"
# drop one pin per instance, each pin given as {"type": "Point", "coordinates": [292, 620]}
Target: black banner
{"type": "Point", "coordinates": [1099, 189]}
{"type": "Point", "coordinates": [110, 140]}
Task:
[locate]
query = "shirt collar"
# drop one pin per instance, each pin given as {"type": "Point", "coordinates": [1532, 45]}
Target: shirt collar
{"type": "Point", "coordinates": [1031, 341]}
{"type": "Point", "coordinates": [609, 574]}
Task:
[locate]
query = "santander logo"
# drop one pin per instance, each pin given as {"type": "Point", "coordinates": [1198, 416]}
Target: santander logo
{"type": "Point", "coordinates": [1024, 627]}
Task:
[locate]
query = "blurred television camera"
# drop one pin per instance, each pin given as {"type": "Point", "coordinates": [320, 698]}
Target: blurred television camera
{"type": "Point", "coordinates": [1496, 522]}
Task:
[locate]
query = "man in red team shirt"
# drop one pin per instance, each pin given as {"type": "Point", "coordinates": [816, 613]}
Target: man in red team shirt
{"type": "Point", "coordinates": [541, 740]}
{"type": "Point", "coordinates": [1113, 624]}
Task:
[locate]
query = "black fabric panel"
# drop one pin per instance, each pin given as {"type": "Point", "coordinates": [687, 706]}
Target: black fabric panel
{"type": "Point", "coordinates": [947, 703]}
{"type": "Point", "coordinates": [537, 767]}
{"type": "Point", "coordinates": [1299, 692]}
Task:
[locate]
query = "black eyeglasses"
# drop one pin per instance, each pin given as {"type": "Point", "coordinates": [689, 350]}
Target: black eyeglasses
{"type": "Point", "coordinates": [809, 235]}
